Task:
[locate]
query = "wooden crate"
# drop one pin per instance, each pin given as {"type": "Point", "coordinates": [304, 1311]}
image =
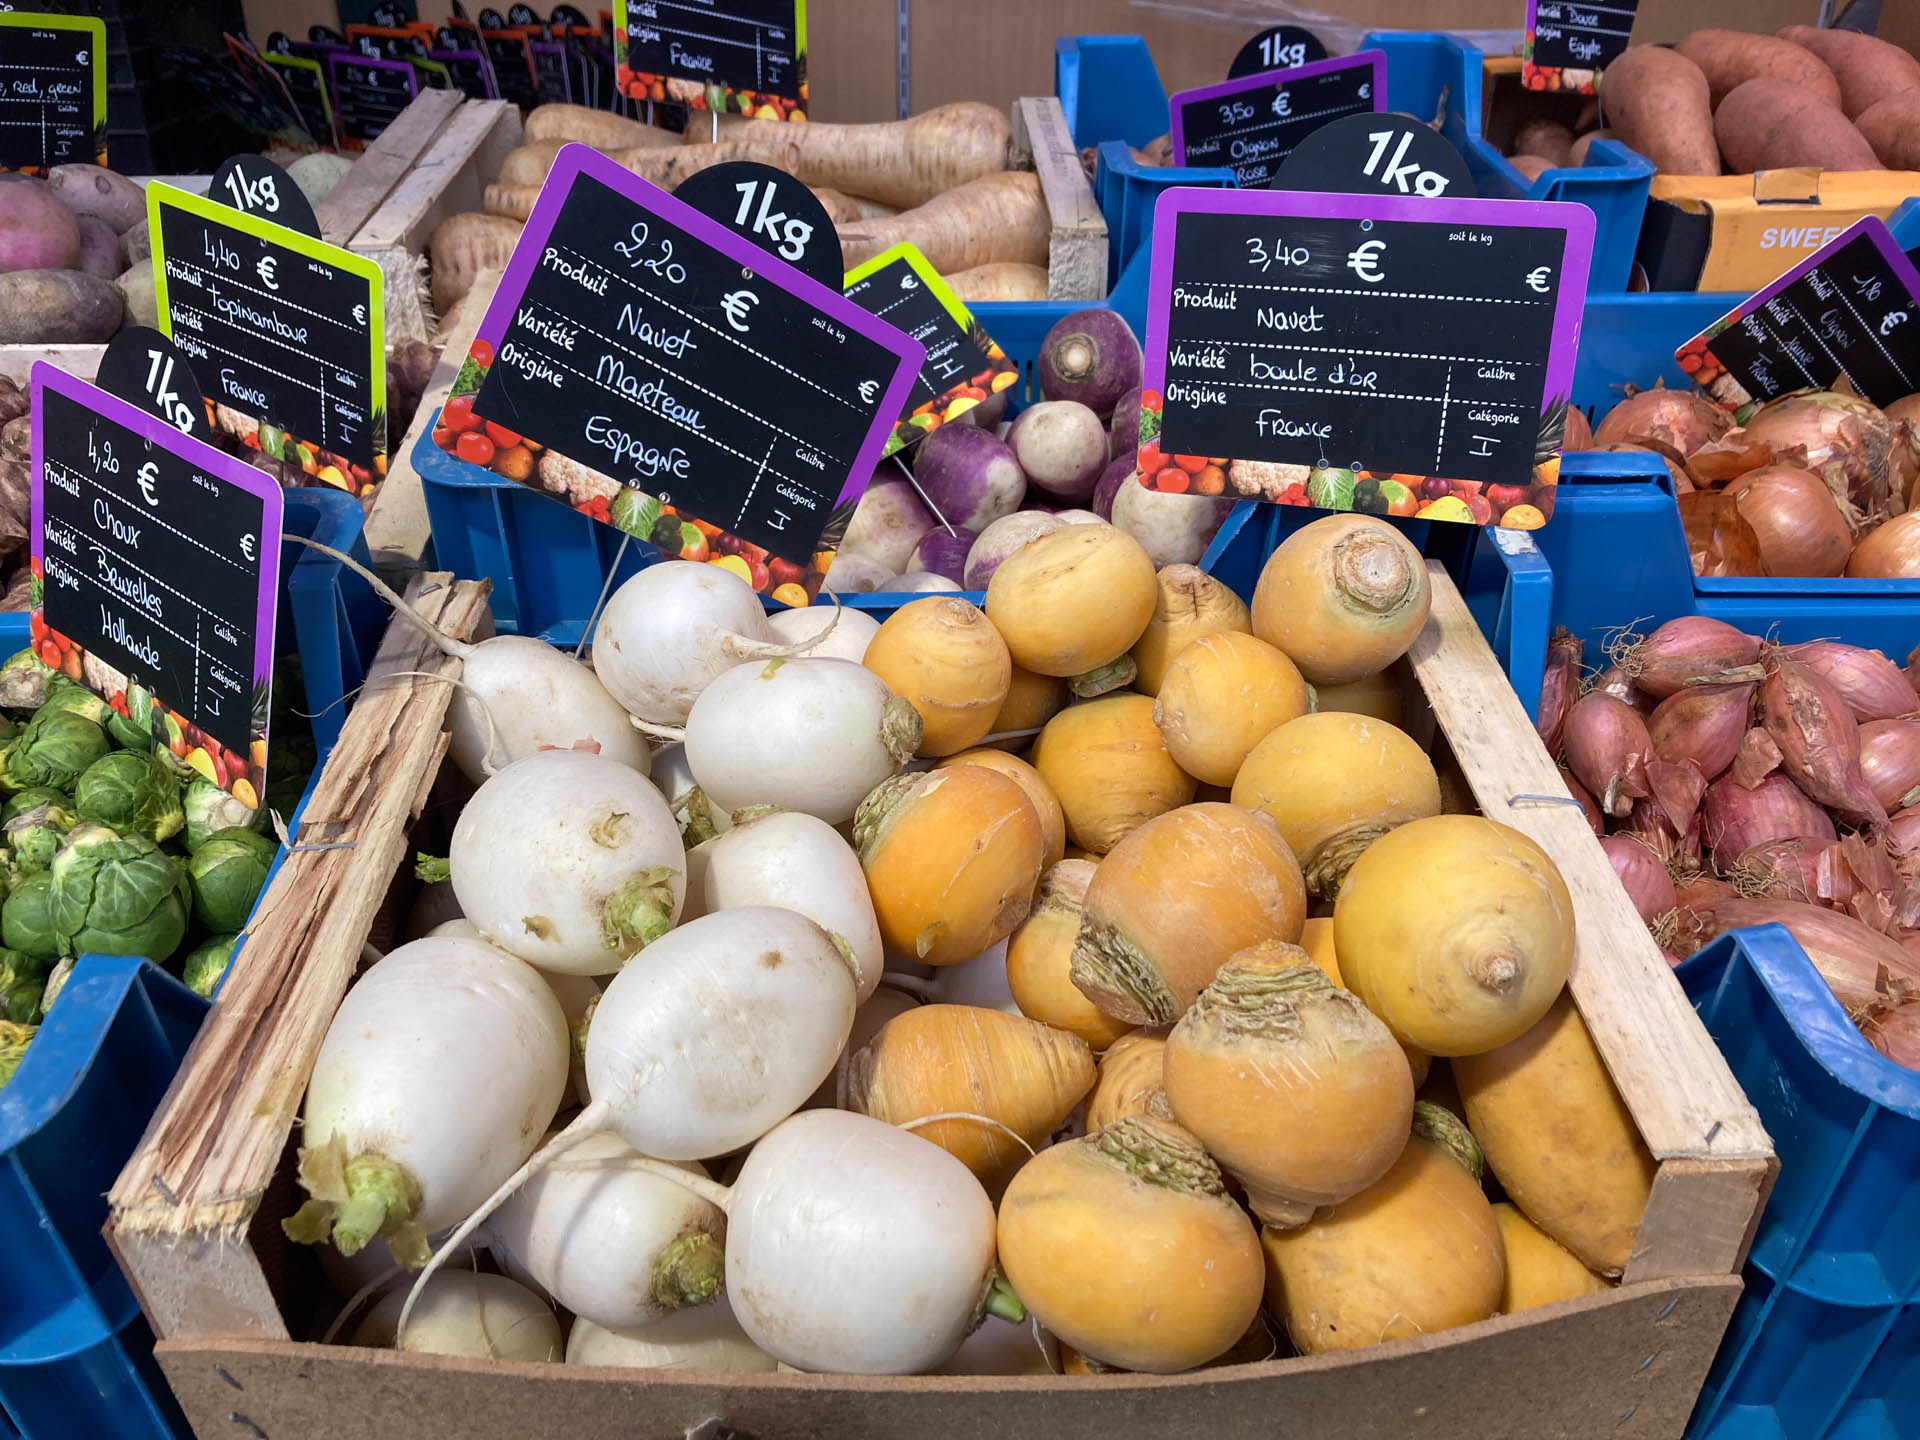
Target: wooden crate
{"type": "Point", "coordinates": [195, 1213]}
{"type": "Point", "coordinates": [1077, 243]}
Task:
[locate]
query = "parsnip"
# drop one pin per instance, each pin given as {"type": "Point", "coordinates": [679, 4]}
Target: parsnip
{"type": "Point", "coordinates": [904, 162]}
{"type": "Point", "coordinates": [599, 128]}
{"type": "Point", "coordinates": [995, 218]}
{"type": "Point", "coordinates": [1004, 280]}
{"type": "Point", "coordinates": [461, 247]}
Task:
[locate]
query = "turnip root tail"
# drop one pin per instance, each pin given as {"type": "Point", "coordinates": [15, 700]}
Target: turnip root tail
{"type": "Point", "coordinates": [987, 1120]}
{"type": "Point", "coordinates": [1000, 1301]}
{"type": "Point", "coordinates": [458, 649]}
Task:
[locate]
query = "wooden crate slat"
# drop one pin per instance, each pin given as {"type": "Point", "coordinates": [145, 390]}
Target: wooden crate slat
{"type": "Point", "coordinates": [17, 361]}
{"type": "Point", "coordinates": [1077, 245]}
{"type": "Point", "coordinates": [383, 164]}
{"type": "Point", "coordinates": [450, 177]}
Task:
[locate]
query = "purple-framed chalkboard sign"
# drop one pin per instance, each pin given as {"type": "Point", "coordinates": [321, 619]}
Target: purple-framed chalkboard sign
{"type": "Point", "coordinates": [679, 382]}
{"type": "Point", "coordinates": [1852, 308]}
{"type": "Point", "coordinates": [1399, 356]}
{"type": "Point", "coordinates": [1252, 124]}
{"type": "Point", "coordinates": [156, 564]}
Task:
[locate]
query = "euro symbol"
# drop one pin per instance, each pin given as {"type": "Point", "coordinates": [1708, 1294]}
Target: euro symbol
{"type": "Point", "coordinates": [1537, 279]}
{"type": "Point", "coordinates": [359, 314]}
{"type": "Point", "coordinates": [736, 306]}
{"type": "Point", "coordinates": [246, 546]}
{"type": "Point", "coordinates": [907, 282]}
{"type": "Point", "coordinates": [1365, 261]}
{"type": "Point", "coordinates": [868, 389]}
{"type": "Point", "coordinates": [82, 58]}
{"type": "Point", "coordinates": [1886, 325]}
{"type": "Point", "coordinates": [149, 473]}
{"type": "Point", "coordinates": [265, 267]}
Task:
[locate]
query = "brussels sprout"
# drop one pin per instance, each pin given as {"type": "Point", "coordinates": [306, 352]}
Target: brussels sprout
{"type": "Point", "coordinates": [116, 895]}
{"type": "Point", "coordinates": [32, 798]}
{"type": "Point", "coordinates": [75, 699]}
{"type": "Point", "coordinates": [227, 873]}
{"type": "Point", "coordinates": [134, 793]}
{"type": "Point", "coordinates": [24, 1001]}
{"type": "Point", "coordinates": [26, 924]}
{"type": "Point", "coordinates": [13, 1045]}
{"type": "Point", "coordinates": [23, 680]}
{"type": "Point", "coordinates": [206, 963]}
{"type": "Point", "coordinates": [36, 837]}
{"type": "Point", "coordinates": [209, 810]}
{"type": "Point", "coordinates": [54, 749]}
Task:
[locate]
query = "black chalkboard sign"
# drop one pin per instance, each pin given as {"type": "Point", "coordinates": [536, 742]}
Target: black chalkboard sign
{"type": "Point", "coordinates": [53, 90]}
{"type": "Point", "coordinates": [307, 84]}
{"type": "Point", "coordinates": [551, 72]}
{"type": "Point", "coordinates": [756, 47]}
{"type": "Point", "coordinates": [280, 327]}
{"type": "Point", "coordinates": [1349, 334]}
{"type": "Point", "coordinates": [1252, 124]}
{"type": "Point", "coordinates": [660, 352]}
{"type": "Point", "coordinates": [1279, 47]}
{"type": "Point", "coordinates": [156, 559]}
{"type": "Point", "coordinates": [1851, 308]}
{"type": "Point", "coordinates": [512, 64]}
{"type": "Point", "coordinates": [1389, 154]}
{"type": "Point", "coordinates": [369, 94]}
{"type": "Point", "coordinates": [1568, 43]}
{"type": "Point", "coordinates": [468, 71]}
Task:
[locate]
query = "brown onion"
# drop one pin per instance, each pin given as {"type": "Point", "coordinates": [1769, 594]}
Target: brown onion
{"type": "Point", "coordinates": [1890, 552]}
{"type": "Point", "coordinates": [1589, 806]}
{"type": "Point", "coordinates": [1692, 650]}
{"type": "Point", "coordinates": [1578, 434]}
{"type": "Point", "coordinates": [1703, 724]}
{"type": "Point", "coordinates": [1674, 422]}
{"type": "Point", "coordinates": [1872, 685]}
{"type": "Point", "coordinates": [1732, 455]}
{"type": "Point", "coordinates": [1643, 874]}
{"type": "Point", "coordinates": [1890, 761]}
{"type": "Point", "coordinates": [1682, 481]}
{"type": "Point", "coordinates": [1861, 455]}
{"type": "Point", "coordinates": [1896, 1034]}
{"type": "Point", "coordinates": [1800, 529]}
{"type": "Point", "coordinates": [1559, 685]}
{"type": "Point", "coordinates": [1851, 957]}
{"type": "Point", "coordinates": [1720, 542]}
{"type": "Point", "coordinates": [1735, 819]}
{"type": "Point", "coordinates": [1608, 749]}
{"type": "Point", "coordinates": [1818, 739]}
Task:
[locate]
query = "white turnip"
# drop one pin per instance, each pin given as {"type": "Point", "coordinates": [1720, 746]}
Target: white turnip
{"type": "Point", "coordinates": [859, 575]}
{"type": "Point", "coordinates": [1062, 447]}
{"type": "Point", "coordinates": [1175, 529]}
{"type": "Point", "coordinates": [569, 860]}
{"type": "Point", "coordinates": [673, 777]}
{"type": "Point", "coordinates": [847, 642]}
{"type": "Point", "coordinates": [1092, 357]}
{"type": "Point", "coordinates": [922, 582]}
{"type": "Point", "coordinates": [1001, 539]}
{"type": "Point", "coordinates": [969, 476]}
{"type": "Point", "coordinates": [706, 1338]}
{"type": "Point", "coordinates": [811, 735]}
{"type": "Point", "coordinates": [478, 1317]}
{"type": "Point", "coordinates": [394, 1142]}
{"type": "Point", "coordinates": [887, 523]}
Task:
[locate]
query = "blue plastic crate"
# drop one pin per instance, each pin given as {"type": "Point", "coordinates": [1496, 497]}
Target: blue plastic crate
{"type": "Point", "coordinates": [1109, 89]}
{"type": "Point", "coordinates": [1826, 1342]}
{"type": "Point", "coordinates": [1126, 192]}
{"type": "Point", "coordinates": [327, 612]}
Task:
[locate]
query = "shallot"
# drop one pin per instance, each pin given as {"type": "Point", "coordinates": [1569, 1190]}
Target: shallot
{"type": "Point", "coordinates": [1608, 749]}
{"type": "Point", "coordinates": [1872, 685]}
{"type": "Point", "coordinates": [1643, 874]}
{"type": "Point", "coordinates": [1692, 650]}
{"type": "Point", "coordinates": [1818, 739]}
{"type": "Point", "coordinates": [1736, 819]}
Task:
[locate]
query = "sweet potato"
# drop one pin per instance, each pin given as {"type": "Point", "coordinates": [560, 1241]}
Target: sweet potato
{"type": "Point", "coordinates": [1892, 128]}
{"type": "Point", "coordinates": [58, 307]}
{"type": "Point", "coordinates": [1869, 69]}
{"type": "Point", "coordinates": [1548, 139]}
{"type": "Point", "coordinates": [903, 162]}
{"type": "Point", "coordinates": [1658, 102]}
{"type": "Point", "coordinates": [1730, 58]}
{"type": "Point", "coordinates": [1774, 124]}
{"type": "Point", "coordinates": [995, 218]}
{"type": "Point", "coordinates": [461, 247]}
{"type": "Point", "coordinates": [96, 190]}
{"type": "Point", "coordinates": [37, 230]}
{"type": "Point", "coordinates": [599, 128]}
{"type": "Point", "coordinates": [1005, 280]}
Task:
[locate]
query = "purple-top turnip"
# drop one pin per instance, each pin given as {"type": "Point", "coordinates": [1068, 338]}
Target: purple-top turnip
{"type": "Point", "coordinates": [1090, 356]}
{"type": "Point", "coordinates": [969, 476]}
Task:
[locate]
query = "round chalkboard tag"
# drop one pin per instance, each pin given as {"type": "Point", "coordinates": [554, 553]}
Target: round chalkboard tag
{"type": "Point", "coordinates": [149, 372]}
{"type": "Point", "coordinates": [1281, 47]}
{"type": "Point", "coordinates": [773, 210]}
{"type": "Point", "coordinates": [255, 185]}
{"type": "Point", "coordinates": [1386, 154]}
{"type": "Point", "coordinates": [565, 18]}
{"type": "Point", "coordinates": [491, 19]}
{"type": "Point", "coordinates": [324, 35]}
{"type": "Point", "coordinates": [523, 17]}
{"type": "Point", "coordinates": [279, 43]}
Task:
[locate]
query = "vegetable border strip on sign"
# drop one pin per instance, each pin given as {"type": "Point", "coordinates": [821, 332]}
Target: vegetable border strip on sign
{"type": "Point", "coordinates": [1354, 352]}
{"type": "Point", "coordinates": [1253, 124]}
{"type": "Point", "coordinates": [284, 330]}
{"type": "Point", "coordinates": [664, 375]}
{"type": "Point", "coordinates": [156, 576]}
{"type": "Point", "coordinates": [1852, 308]}
{"type": "Point", "coordinates": [744, 56]}
{"type": "Point", "coordinates": [1569, 44]}
{"type": "Point", "coordinates": [963, 368]}
{"type": "Point", "coordinates": [53, 91]}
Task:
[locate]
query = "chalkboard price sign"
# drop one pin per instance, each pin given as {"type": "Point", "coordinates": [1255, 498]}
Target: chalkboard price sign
{"type": "Point", "coordinates": [369, 94]}
{"type": "Point", "coordinates": [1354, 352]}
{"type": "Point", "coordinates": [1252, 124]}
{"type": "Point", "coordinates": [665, 375]}
{"type": "Point", "coordinates": [284, 331]}
{"type": "Point", "coordinates": [1851, 308]}
{"type": "Point", "coordinates": [964, 367]}
{"type": "Point", "coordinates": [551, 71]}
{"type": "Point", "coordinates": [511, 60]}
{"type": "Point", "coordinates": [749, 56]}
{"type": "Point", "coordinates": [307, 84]}
{"type": "Point", "coordinates": [53, 91]}
{"type": "Point", "coordinates": [468, 71]}
{"type": "Point", "coordinates": [1568, 43]}
{"type": "Point", "coordinates": [156, 561]}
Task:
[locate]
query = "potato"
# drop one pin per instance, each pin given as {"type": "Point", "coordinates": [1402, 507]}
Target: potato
{"type": "Point", "coordinates": [96, 190]}
{"type": "Point", "coordinates": [58, 307]}
{"type": "Point", "coordinates": [1869, 69]}
{"type": "Point", "coordinates": [37, 230]}
{"type": "Point", "coordinates": [99, 248]}
{"type": "Point", "coordinates": [138, 247]}
{"type": "Point", "coordinates": [1892, 128]}
{"type": "Point", "coordinates": [1531, 166]}
{"type": "Point", "coordinates": [1549, 139]}
{"type": "Point", "coordinates": [1658, 102]}
{"type": "Point", "coordinates": [143, 306]}
{"type": "Point", "coordinates": [1585, 142]}
{"type": "Point", "coordinates": [1774, 124]}
{"type": "Point", "coordinates": [1729, 58]}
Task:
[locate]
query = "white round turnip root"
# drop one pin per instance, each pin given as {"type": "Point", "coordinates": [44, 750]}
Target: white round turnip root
{"type": "Point", "coordinates": [697, 817]}
{"type": "Point", "coordinates": [848, 641]}
{"type": "Point", "coordinates": [810, 735]}
{"type": "Point", "coordinates": [574, 992]}
{"type": "Point", "coordinates": [464, 1313]}
{"type": "Point", "coordinates": [569, 860]}
{"type": "Point", "coordinates": [394, 1141]}
{"type": "Point", "coordinates": [666, 633]}
{"type": "Point", "coordinates": [1172, 529]}
{"type": "Point", "coordinates": [724, 1028]}
{"type": "Point", "coordinates": [612, 1241]}
{"type": "Point", "coordinates": [797, 862]}
{"type": "Point", "coordinates": [706, 1338]}
{"type": "Point", "coordinates": [1062, 447]}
